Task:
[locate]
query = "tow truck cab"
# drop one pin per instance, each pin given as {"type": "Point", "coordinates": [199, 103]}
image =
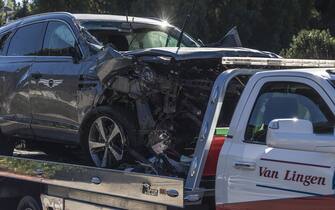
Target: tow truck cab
{"type": "Point", "coordinates": [280, 148]}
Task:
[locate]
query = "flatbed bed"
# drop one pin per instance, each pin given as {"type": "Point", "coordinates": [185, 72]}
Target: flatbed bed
{"type": "Point", "coordinates": [63, 183]}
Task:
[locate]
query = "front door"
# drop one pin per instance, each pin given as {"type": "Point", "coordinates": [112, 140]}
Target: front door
{"type": "Point", "coordinates": [260, 177]}
{"type": "Point", "coordinates": [53, 93]}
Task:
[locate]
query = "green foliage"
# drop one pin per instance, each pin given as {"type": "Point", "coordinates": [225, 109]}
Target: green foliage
{"type": "Point", "coordinates": [312, 44]}
{"type": "Point", "coordinates": [28, 167]}
{"type": "Point", "coordinates": [2, 15]}
{"type": "Point", "coordinates": [263, 24]}
{"type": "Point", "coordinates": [11, 3]}
{"type": "Point", "coordinates": [22, 11]}
{"type": "Point", "coordinates": [42, 6]}
{"type": "Point", "coordinates": [326, 15]}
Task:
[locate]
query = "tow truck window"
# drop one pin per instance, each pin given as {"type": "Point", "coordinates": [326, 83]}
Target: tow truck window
{"type": "Point", "coordinates": [288, 100]}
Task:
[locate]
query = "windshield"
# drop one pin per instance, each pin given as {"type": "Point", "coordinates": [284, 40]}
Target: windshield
{"type": "Point", "coordinates": [126, 37]}
{"type": "Point", "coordinates": [150, 39]}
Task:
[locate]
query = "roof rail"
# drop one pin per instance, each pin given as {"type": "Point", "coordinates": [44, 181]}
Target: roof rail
{"type": "Point", "coordinates": [278, 62]}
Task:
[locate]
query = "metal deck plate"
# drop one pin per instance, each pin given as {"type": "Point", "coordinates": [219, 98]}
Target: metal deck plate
{"type": "Point", "coordinates": [155, 189]}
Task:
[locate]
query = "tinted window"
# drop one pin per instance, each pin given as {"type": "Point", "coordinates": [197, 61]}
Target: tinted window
{"type": "Point", "coordinates": [278, 100]}
{"type": "Point", "coordinates": [27, 40]}
{"type": "Point", "coordinates": [3, 42]}
{"type": "Point", "coordinates": [59, 40]}
{"type": "Point", "coordinates": [231, 98]}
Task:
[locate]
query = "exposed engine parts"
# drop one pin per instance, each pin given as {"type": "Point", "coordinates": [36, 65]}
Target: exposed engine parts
{"type": "Point", "coordinates": [170, 101]}
{"type": "Point", "coordinates": [159, 141]}
{"type": "Point", "coordinates": [169, 98]}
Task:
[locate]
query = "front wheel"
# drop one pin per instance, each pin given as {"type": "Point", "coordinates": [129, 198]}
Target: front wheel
{"type": "Point", "coordinates": [106, 135]}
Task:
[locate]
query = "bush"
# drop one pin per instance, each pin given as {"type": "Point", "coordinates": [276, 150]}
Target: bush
{"type": "Point", "coordinates": [316, 44]}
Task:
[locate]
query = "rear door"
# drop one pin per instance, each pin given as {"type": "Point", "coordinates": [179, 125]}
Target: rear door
{"type": "Point", "coordinates": [259, 177]}
{"type": "Point", "coordinates": [19, 48]}
{"type": "Point", "coordinates": [55, 84]}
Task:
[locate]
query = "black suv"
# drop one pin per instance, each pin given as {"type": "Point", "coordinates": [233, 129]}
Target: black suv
{"type": "Point", "coordinates": [113, 85]}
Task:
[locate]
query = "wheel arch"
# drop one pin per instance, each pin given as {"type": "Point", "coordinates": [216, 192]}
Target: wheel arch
{"type": "Point", "coordinates": [121, 115]}
{"type": "Point", "coordinates": [12, 188]}
{"type": "Point", "coordinates": [100, 107]}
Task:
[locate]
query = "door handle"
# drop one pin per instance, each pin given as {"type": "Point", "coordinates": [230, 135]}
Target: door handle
{"type": "Point", "coordinates": [36, 75]}
{"type": "Point", "coordinates": [245, 165]}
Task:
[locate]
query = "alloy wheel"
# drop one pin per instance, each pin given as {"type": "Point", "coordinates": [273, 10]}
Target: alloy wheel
{"type": "Point", "coordinates": [106, 142]}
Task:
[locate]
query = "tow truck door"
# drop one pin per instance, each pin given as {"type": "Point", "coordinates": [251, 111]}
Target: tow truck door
{"type": "Point", "coordinates": [254, 176]}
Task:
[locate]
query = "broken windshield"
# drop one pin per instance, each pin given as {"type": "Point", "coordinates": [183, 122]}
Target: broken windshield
{"type": "Point", "coordinates": [137, 36]}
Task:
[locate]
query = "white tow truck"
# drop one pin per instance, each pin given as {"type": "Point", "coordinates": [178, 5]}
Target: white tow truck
{"type": "Point", "coordinates": [278, 151]}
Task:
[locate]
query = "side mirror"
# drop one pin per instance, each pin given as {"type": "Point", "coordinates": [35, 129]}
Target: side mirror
{"type": "Point", "coordinates": [296, 134]}
{"type": "Point", "coordinates": [231, 39]}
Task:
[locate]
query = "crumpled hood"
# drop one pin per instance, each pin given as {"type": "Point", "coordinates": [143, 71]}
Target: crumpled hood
{"type": "Point", "coordinates": [185, 53]}
{"type": "Point", "coordinates": [111, 60]}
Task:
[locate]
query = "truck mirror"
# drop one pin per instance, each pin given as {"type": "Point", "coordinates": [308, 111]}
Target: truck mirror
{"type": "Point", "coordinates": [297, 134]}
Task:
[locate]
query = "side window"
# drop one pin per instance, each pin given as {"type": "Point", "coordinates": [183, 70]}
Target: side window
{"type": "Point", "coordinates": [59, 40]}
{"type": "Point", "coordinates": [27, 40]}
{"type": "Point", "coordinates": [3, 42]}
{"type": "Point", "coordinates": [278, 100]}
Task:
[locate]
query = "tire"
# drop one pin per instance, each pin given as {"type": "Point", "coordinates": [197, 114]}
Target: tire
{"type": "Point", "coordinates": [29, 203]}
{"type": "Point", "coordinates": [6, 146]}
{"type": "Point", "coordinates": [117, 122]}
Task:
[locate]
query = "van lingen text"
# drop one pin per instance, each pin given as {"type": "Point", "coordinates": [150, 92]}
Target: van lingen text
{"type": "Point", "coordinates": [294, 176]}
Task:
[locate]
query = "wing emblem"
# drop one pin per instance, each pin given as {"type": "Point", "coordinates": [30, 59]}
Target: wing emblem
{"type": "Point", "coordinates": [50, 83]}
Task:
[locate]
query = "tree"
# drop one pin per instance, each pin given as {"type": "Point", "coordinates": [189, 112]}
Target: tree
{"type": "Point", "coordinates": [326, 18]}
{"type": "Point", "coordinates": [2, 14]}
{"type": "Point", "coordinates": [22, 11]}
{"type": "Point", "coordinates": [316, 44]}
{"type": "Point", "coordinates": [41, 6]}
{"type": "Point", "coordinates": [263, 24]}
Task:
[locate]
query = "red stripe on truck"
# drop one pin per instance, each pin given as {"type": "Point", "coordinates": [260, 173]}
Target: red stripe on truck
{"type": "Point", "coordinates": [304, 203]}
{"type": "Point", "coordinates": [213, 156]}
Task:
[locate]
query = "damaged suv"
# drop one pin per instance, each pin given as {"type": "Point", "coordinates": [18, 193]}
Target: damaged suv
{"type": "Point", "coordinates": [116, 86]}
